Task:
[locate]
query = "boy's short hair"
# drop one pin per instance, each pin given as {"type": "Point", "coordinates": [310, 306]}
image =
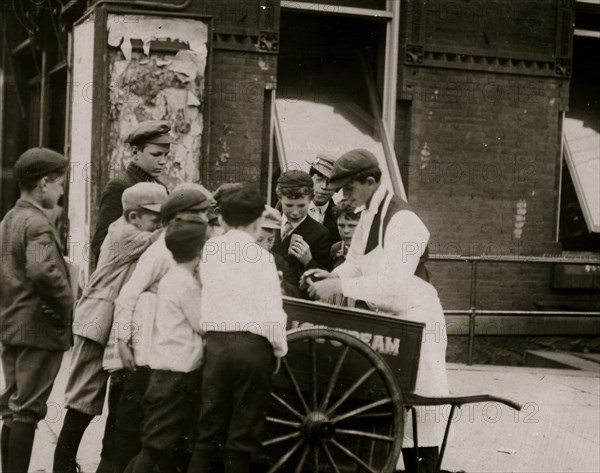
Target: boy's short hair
{"type": "Point", "coordinates": [294, 185]}
{"type": "Point", "coordinates": [141, 211]}
{"type": "Point", "coordinates": [185, 237]}
{"type": "Point", "coordinates": [36, 163]}
{"type": "Point", "coordinates": [242, 206]}
{"type": "Point", "coordinates": [345, 209]}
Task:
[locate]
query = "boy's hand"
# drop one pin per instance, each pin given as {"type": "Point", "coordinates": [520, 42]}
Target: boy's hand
{"type": "Point", "coordinates": [323, 290]}
{"type": "Point", "coordinates": [300, 250]}
{"type": "Point", "coordinates": [126, 355]}
{"type": "Point", "coordinates": [315, 274]}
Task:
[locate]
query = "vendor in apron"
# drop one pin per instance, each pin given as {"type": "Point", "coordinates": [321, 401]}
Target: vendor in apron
{"type": "Point", "coordinates": [385, 268]}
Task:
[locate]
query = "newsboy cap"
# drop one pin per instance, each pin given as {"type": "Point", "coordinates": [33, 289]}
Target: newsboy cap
{"type": "Point", "coordinates": [36, 163]}
{"type": "Point", "coordinates": [271, 218]}
{"type": "Point", "coordinates": [323, 164]}
{"type": "Point", "coordinates": [183, 199]}
{"type": "Point", "coordinates": [348, 165]}
{"type": "Point", "coordinates": [148, 195]}
{"type": "Point", "coordinates": [150, 132]}
{"type": "Point", "coordinates": [295, 178]}
{"type": "Point", "coordinates": [185, 236]}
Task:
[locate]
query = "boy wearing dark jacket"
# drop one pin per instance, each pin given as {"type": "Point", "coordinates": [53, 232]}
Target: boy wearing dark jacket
{"type": "Point", "coordinates": [36, 303]}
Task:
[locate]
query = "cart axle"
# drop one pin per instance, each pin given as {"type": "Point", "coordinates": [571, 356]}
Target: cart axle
{"type": "Point", "coordinates": [317, 427]}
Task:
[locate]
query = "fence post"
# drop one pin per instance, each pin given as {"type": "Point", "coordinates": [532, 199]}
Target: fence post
{"type": "Point", "coordinates": [472, 311]}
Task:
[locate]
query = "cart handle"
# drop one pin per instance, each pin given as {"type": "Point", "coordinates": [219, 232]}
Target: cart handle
{"type": "Point", "coordinates": [416, 400]}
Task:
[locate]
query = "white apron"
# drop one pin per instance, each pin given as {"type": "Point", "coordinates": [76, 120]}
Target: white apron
{"type": "Point", "coordinates": [432, 380]}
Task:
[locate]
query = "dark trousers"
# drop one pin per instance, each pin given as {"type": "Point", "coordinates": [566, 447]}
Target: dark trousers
{"type": "Point", "coordinates": [236, 387]}
{"type": "Point", "coordinates": [122, 434]}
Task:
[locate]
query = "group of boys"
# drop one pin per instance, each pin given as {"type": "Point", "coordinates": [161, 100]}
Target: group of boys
{"type": "Point", "coordinates": [177, 288]}
{"type": "Point", "coordinates": [139, 325]}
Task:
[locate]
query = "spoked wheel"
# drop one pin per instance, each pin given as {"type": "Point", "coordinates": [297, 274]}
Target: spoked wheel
{"type": "Point", "coordinates": [335, 407]}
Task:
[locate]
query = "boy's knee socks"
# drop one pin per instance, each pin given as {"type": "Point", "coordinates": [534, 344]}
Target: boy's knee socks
{"type": "Point", "coordinates": [69, 439]}
{"type": "Point", "coordinates": [4, 436]}
{"type": "Point", "coordinates": [20, 444]}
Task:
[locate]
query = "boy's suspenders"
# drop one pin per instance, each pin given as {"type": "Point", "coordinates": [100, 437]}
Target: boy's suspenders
{"type": "Point", "coordinates": [375, 237]}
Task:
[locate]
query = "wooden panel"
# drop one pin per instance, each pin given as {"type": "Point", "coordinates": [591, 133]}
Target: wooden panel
{"type": "Point", "coordinates": [397, 340]}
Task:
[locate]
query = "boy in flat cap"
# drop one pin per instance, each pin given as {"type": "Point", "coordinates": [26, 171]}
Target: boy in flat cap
{"type": "Point", "coordinates": [134, 311]}
{"type": "Point", "coordinates": [127, 238]}
{"type": "Point", "coordinates": [322, 206]}
{"type": "Point", "coordinates": [244, 328]}
{"type": "Point", "coordinates": [271, 225]}
{"type": "Point", "coordinates": [175, 356]}
{"type": "Point", "coordinates": [303, 242]}
{"type": "Point", "coordinates": [385, 268]}
{"type": "Point", "coordinates": [150, 143]}
{"type": "Point", "coordinates": [36, 303]}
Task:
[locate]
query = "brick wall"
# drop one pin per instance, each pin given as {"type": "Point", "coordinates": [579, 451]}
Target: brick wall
{"type": "Point", "coordinates": [242, 75]}
{"type": "Point", "coordinates": [240, 82]}
{"type": "Point", "coordinates": [478, 138]}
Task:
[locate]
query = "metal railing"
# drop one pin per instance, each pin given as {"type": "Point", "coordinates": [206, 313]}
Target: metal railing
{"type": "Point", "coordinates": [473, 311]}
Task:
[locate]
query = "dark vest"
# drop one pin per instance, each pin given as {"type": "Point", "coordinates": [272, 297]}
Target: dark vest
{"type": "Point", "coordinates": [396, 205]}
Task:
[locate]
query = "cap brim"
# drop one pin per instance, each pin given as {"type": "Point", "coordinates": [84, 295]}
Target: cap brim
{"type": "Point", "coordinates": [200, 206]}
{"type": "Point", "coordinates": [151, 207]}
{"type": "Point", "coordinates": [337, 184]}
{"type": "Point", "coordinates": [319, 168]}
{"type": "Point", "coordinates": [271, 225]}
{"type": "Point", "coordinates": [160, 140]}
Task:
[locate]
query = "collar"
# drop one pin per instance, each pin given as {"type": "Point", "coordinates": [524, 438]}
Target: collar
{"type": "Point", "coordinates": [239, 235]}
{"type": "Point", "coordinates": [284, 220]}
{"type": "Point", "coordinates": [378, 196]}
{"type": "Point", "coordinates": [322, 208]}
{"type": "Point", "coordinates": [139, 174]}
{"type": "Point", "coordinates": [26, 203]}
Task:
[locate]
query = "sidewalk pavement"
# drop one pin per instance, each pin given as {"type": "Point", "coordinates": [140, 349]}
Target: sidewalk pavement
{"type": "Point", "coordinates": [558, 429]}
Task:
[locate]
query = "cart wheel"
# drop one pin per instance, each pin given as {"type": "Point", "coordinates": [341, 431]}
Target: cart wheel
{"type": "Point", "coordinates": [335, 407]}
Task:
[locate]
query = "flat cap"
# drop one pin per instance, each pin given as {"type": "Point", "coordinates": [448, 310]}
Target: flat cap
{"type": "Point", "coordinates": [148, 195]}
{"type": "Point", "coordinates": [200, 187]}
{"type": "Point", "coordinates": [295, 178]}
{"type": "Point", "coordinates": [150, 131]}
{"type": "Point", "coordinates": [183, 199]}
{"type": "Point", "coordinates": [185, 236]}
{"type": "Point", "coordinates": [271, 218]}
{"type": "Point", "coordinates": [348, 165]}
{"type": "Point", "coordinates": [323, 164]}
{"type": "Point", "coordinates": [36, 163]}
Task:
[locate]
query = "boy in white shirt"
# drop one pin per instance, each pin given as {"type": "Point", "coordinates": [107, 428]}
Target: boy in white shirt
{"type": "Point", "coordinates": [129, 375]}
{"type": "Point", "coordinates": [176, 352]}
{"type": "Point", "coordinates": [244, 326]}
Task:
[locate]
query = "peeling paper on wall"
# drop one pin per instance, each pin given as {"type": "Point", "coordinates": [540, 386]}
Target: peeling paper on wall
{"type": "Point", "coordinates": [520, 218]}
{"type": "Point", "coordinates": [158, 84]}
{"type": "Point", "coordinates": [147, 29]}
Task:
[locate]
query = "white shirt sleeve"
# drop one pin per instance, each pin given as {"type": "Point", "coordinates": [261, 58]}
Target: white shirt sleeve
{"type": "Point", "coordinates": [405, 241]}
{"type": "Point", "coordinates": [151, 266]}
{"type": "Point", "coordinates": [272, 303]}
